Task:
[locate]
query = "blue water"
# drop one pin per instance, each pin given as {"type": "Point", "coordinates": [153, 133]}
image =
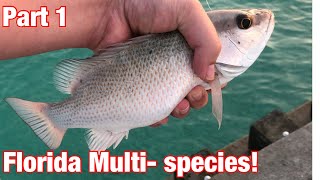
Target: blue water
{"type": "Point", "coordinates": [280, 79]}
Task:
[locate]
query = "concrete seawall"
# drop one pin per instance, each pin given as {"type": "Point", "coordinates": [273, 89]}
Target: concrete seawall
{"type": "Point", "coordinates": [284, 142]}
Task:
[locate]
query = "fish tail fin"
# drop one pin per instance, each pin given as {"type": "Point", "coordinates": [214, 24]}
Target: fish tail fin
{"type": "Point", "coordinates": [35, 114]}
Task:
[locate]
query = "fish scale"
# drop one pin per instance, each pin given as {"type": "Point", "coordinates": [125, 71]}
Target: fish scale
{"type": "Point", "coordinates": [140, 109]}
{"type": "Point", "coordinates": [139, 82]}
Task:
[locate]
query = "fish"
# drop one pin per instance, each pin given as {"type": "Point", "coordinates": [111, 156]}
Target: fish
{"type": "Point", "coordinates": [139, 82]}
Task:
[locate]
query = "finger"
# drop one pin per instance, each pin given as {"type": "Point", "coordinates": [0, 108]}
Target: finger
{"type": "Point", "coordinates": [201, 35]}
{"type": "Point", "coordinates": [163, 121]}
{"type": "Point", "coordinates": [155, 125]}
{"type": "Point", "coordinates": [182, 109]}
{"type": "Point", "coordinates": [198, 97]}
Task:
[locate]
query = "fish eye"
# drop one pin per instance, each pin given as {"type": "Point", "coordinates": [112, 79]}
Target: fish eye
{"type": "Point", "coordinates": [244, 21]}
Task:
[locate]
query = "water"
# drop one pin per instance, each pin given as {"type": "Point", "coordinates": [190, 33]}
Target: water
{"type": "Point", "coordinates": [280, 79]}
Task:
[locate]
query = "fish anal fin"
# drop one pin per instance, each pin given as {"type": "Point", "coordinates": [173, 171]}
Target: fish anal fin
{"type": "Point", "coordinates": [102, 139]}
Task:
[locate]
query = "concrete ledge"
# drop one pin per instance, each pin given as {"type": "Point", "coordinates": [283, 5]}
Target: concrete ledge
{"type": "Point", "coordinates": [271, 127]}
{"type": "Point", "coordinates": [279, 155]}
{"type": "Point", "coordinates": [287, 159]}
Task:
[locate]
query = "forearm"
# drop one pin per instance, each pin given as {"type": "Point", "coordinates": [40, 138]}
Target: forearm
{"type": "Point", "coordinates": [82, 21]}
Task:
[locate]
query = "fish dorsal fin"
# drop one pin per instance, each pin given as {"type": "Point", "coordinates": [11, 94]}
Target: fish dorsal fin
{"type": "Point", "coordinates": [118, 47]}
{"type": "Point", "coordinates": [69, 74]}
{"type": "Point", "coordinates": [102, 139]}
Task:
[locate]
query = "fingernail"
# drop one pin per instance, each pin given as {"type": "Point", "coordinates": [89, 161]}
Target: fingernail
{"type": "Point", "coordinates": [210, 73]}
{"type": "Point", "coordinates": [185, 110]}
{"type": "Point", "coordinates": [196, 96]}
{"type": "Point", "coordinates": [155, 125]}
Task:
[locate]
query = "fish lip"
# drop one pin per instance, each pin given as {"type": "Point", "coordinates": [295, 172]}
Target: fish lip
{"type": "Point", "coordinates": [271, 20]}
{"type": "Point", "coordinates": [270, 27]}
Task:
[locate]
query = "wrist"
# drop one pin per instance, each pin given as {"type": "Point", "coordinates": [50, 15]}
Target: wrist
{"type": "Point", "coordinates": [90, 22]}
{"type": "Point", "coordinates": [109, 25]}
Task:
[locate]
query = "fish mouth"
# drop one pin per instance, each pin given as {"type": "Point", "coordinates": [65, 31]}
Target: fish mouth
{"type": "Point", "coordinates": [271, 21]}
{"type": "Point", "coordinates": [268, 18]}
{"type": "Point", "coordinates": [262, 12]}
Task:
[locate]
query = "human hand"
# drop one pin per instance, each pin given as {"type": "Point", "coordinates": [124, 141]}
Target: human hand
{"type": "Point", "coordinates": [130, 18]}
{"type": "Point", "coordinates": [106, 22]}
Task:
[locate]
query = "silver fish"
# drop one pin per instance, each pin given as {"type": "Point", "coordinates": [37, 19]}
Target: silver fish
{"type": "Point", "coordinates": [139, 82]}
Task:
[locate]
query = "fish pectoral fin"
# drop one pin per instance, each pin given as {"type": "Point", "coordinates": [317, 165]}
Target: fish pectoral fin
{"type": "Point", "coordinates": [217, 104]}
{"type": "Point", "coordinates": [102, 139]}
